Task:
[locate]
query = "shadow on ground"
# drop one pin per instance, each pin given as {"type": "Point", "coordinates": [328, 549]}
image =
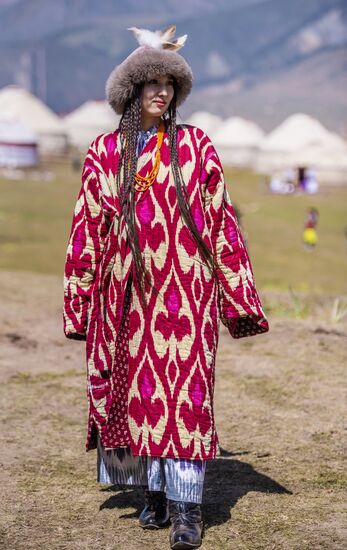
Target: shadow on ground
{"type": "Point", "coordinates": [226, 481]}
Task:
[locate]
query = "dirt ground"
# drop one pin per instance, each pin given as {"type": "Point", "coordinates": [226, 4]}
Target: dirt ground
{"type": "Point", "coordinates": [280, 412]}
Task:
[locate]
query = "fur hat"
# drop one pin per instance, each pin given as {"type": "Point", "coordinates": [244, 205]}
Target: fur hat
{"type": "Point", "coordinates": [155, 56]}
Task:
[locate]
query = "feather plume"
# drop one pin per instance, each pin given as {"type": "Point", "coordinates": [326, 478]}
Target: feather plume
{"type": "Point", "coordinates": [161, 39]}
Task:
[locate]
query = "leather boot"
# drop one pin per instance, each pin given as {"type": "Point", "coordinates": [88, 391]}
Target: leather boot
{"type": "Point", "coordinates": [187, 525]}
{"type": "Point", "coordinates": [155, 514]}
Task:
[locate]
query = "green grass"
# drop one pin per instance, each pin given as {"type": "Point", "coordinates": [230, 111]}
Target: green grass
{"type": "Point", "coordinates": [35, 221]}
{"type": "Point", "coordinates": [273, 225]}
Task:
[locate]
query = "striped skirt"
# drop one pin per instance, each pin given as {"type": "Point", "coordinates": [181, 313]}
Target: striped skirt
{"type": "Point", "coordinates": [181, 479]}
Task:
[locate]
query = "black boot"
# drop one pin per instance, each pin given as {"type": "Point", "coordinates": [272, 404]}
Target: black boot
{"type": "Point", "coordinates": [187, 525]}
{"type": "Point", "coordinates": [155, 514]}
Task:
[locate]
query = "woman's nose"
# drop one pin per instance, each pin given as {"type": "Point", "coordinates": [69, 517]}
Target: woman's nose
{"type": "Point", "coordinates": [163, 89]}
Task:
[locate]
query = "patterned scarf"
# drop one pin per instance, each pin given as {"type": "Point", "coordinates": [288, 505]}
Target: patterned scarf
{"type": "Point", "coordinates": [144, 136]}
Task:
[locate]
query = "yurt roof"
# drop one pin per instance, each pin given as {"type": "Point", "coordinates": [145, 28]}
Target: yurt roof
{"type": "Point", "coordinates": [298, 131]}
{"type": "Point", "coordinates": [18, 102]}
{"type": "Point", "coordinates": [16, 132]}
{"type": "Point", "coordinates": [92, 113]}
{"type": "Point", "coordinates": [238, 132]}
{"type": "Point", "coordinates": [323, 157]}
{"type": "Point", "coordinates": [204, 120]}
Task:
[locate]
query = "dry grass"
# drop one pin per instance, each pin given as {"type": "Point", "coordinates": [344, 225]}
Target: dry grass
{"type": "Point", "coordinates": [279, 484]}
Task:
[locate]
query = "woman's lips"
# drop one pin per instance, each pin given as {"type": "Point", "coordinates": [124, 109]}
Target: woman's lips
{"type": "Point", "coordinates": [160, 103]}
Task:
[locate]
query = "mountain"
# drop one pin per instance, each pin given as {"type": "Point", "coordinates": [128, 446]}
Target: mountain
{"type": "Point", "coordinates": [262, 59]}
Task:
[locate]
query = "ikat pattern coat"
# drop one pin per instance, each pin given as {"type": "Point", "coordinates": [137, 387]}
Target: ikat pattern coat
{"type": "Point", "coordinates": [172, 343]}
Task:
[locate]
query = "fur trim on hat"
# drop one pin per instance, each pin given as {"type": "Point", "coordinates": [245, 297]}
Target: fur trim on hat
{"type": "Point", "coordinates": [141, 65]}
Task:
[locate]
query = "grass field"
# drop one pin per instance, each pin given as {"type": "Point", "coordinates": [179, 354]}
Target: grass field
{"type": "Point", "coordinates": [35, 219]}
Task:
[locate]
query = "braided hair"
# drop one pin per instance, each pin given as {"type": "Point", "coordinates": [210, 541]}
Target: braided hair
{"type": "Point", "coordinates": [129, 127]}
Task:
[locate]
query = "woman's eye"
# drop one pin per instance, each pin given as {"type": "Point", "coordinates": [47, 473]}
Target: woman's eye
{"type": "Point", "coordinates": [155, 81]}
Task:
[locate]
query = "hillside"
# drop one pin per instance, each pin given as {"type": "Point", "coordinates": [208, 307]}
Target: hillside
{"type": "Point", "coordinates": [262, 59]}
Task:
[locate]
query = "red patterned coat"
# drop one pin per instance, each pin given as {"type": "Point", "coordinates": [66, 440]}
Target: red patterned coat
{"type": "Point", "coordinates": [173, 342]}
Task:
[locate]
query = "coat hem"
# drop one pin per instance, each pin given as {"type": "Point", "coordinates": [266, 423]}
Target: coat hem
{"type": "Point", "coordinates": [91, 445]}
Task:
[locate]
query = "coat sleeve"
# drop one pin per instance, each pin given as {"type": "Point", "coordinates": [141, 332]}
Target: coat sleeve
{"type": "Point", "coordinates": [240, 306]}
{"type": "Point", "coordinates": [84, 249]}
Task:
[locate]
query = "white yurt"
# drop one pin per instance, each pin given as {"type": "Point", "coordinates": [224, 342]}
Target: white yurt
{"type": "Point", "coordinates": [88, 121]}
{"type": "Point", "coordinates": [31, 111]}
{"type": "Point", "coordinates": [204, 120]}
{"type": "Point", "coordinates": [302, 141]}
{"type": "Point", "coordinates": [237, 140]}
{"type": "Point", "coordinates": [18, 144]}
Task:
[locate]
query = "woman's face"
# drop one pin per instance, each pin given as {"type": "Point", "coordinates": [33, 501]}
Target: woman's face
{"type": "Point", "coordinates": [157, 95]}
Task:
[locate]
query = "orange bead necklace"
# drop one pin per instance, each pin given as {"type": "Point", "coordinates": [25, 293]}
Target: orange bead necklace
{"type": "Point", "coordinates": [144, 182]}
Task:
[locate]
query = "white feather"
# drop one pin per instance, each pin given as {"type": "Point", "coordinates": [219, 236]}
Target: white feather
{"type": "Point", "coordinates": [159, 39]}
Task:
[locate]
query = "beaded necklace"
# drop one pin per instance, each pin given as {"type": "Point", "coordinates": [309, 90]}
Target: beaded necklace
{"type": "Point", "coordinates": [144, 182]}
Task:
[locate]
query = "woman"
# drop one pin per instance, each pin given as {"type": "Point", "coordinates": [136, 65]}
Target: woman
{"type": "Point", "coordinates": [309, 236]}
{"type": "Point", "coordinates": [155, 261]}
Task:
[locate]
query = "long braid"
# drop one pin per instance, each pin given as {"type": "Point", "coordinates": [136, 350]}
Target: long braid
{"type": "Point", "coordinates": [181, 190]}
{"type": "Point", "coordinates": [130, 125]}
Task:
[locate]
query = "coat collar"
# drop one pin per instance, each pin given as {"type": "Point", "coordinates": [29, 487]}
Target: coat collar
{"type": "Point", "coordinates": [144, 136]}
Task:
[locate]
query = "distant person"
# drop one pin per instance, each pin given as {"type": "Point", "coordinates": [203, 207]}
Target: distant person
{"type": "Point", "coordinates": [310, 237]}
{"type": "Point", "coordinates": [302, 179]}
{"type": "Point", "coordinates": [155, 261]}
{"type": "Point", "coordinates": [311, 185]}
